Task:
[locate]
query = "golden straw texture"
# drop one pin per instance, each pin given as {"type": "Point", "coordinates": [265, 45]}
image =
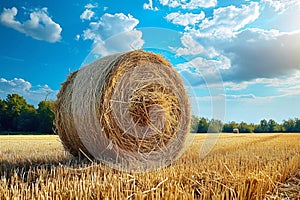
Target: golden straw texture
{"type": "Point", "coordinates": [128, 110]}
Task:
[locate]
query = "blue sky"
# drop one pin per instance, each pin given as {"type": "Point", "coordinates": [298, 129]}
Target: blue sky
{"type": "Point", "coordinates": [240, 60]}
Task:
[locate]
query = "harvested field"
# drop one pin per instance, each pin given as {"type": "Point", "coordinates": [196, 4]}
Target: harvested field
{"type": "Point", "coordinates": [244, 166]}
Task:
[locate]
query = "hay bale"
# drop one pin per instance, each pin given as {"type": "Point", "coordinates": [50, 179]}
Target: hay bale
{"type": "Point", "coordinates": [236, 130]}
{"type": "Point", "coordinates": [128, 110]}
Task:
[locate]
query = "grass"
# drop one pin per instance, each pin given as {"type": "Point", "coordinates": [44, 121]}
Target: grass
{"type": "Point", "coordinates": [250, 166]}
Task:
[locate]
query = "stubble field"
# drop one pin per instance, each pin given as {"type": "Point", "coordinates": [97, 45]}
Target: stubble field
{"type": "Point", "coordinates": [244, 166]}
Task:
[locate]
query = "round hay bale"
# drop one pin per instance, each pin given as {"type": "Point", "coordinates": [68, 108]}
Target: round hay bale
{"type": "Point", "coordinates": [128, 110]}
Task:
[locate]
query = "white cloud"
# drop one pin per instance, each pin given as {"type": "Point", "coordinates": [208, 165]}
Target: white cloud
{"type": "Point", "coordinates": [256, 53]}
{"type": "Point", "coordinates": [240, 96]}
{"type": "Point", "coordinates": [149, 6]}
{"type": "Point", "coordinates": [190, 46]}
{"type": "Point", "coordinates": [192, 4]}
{"type": "Point", "coordinates": [227, 20]}
{"type": "Point", "coordinates": [87, 15]}
{"type": "Point", "coordinates": [114, 33]}
{"type": "Point", "coordinates": [232, 86]}
{"type": "Point", "coordinates": [285, 85]}
{"type": "Point", "coordinates": [279, 87]}
{"type": "Point", "coordinates": [225, 23]}
{"type": "Point", "coordinates": [206, 71]}
{"type": "Point", "coordinates": [278, 6]}
{"type": "Point", "coordinates": [17, 84]}
{"type": "Point", "coordinates": [77, 37]}
{"type": "Point", "coordinates": [249, 54]}
{"type": "Point", "coordinates": [185, 19]}
{"type": "Point", "coordinates": [203, 65]}
{"type": "Point", "coordinates": [276, 14]}
{"type": "Point", "coordinates": [251, 57]}
{"type": "Point", "coordinates": [34, 94]}
{"type": "Point", "coordinates": [281, 6]}
{"type": "Point", "coordinates": [40, 26]}
{"type": "Point", "coordinates": [91, 6]}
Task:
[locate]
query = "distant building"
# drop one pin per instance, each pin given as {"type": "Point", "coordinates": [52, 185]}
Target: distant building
{"type": "Point", "coordinates": [236, 130]}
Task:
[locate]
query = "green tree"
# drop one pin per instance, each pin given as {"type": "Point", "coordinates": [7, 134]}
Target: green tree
{"type": "Point", "coordinates": [202, 126]}
{"type": "Point", "coordinates": [289, 125]}
{"type": "Point", "coordinates": [257, 128]}
{"type": "Point", "coordinates": [194, 124]}
{"type": "Point", "coordinates": [297, 125]}
{"type": "Point", "coordinates": [15, 105]}
{"type": "Point", "coordinates": [3, 107]}
{"type": "Point", "coordinates": [274, 126]}
{"type": "Point", "coordinates": [27, 120]}
{"type": "Point", "coordinates": [228, 127]}
{"type": "Point", "coordinates": [263, 127]}
{"type": "Point", "coordinates": [45, 116]}
{"type": "Point", "coordinates": [215, 126]}
{"type": "Point", "coordinates": [246, 128]}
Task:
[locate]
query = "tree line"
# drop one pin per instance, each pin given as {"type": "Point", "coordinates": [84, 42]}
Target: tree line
{"type": "Point", "coordinates": [16, 115]}
{"type": "Point", "coordinates": [204, 125]}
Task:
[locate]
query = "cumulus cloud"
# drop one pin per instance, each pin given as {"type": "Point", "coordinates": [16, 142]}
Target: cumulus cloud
{"type": "Point", "coordinates": [204, 38]}
{"type": "Point", "coordinates": [91, 6]}
{"type": "Point", "coordinates": [244, 56]}
{"type": "Point", "coordinates": [192, 4]}
{"type": "Point", "coordinates": [185, 19]}
{"type": "Point", "coordinates": [149, 6]}
{"type": "Point", "coordinates": [205, 71]}
{"type": "Point", "coordinates": [201, 65]}
{"type": "Point", "coordinates": [17, 84]}
{"type": "Point", "coordinates": [33, 94]}
{"type": "Point", "coordinates": [114, 33]}
{"type": "Point", "coordinates": [278, 6]}
{"type": "Point", "coordinates": [253, 59]}
{"type": "Point", "coordinates": [87, 15]}
{"type": "Point", "coordinates": [278, 13]}
{"type": "Point", "coordinates": [281, 6]}
{"type": "Point", "coordinates": [40, 26]}
{"type": "Point", "coordinates": [190, 46]}
{"type": "Point", "coordinates": [256, 53]}
{"type": "Point", "coordinates": [227, 20]}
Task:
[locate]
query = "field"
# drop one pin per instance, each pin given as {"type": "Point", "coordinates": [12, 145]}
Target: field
{"type": "Point", "coordinates": [252, 166]}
